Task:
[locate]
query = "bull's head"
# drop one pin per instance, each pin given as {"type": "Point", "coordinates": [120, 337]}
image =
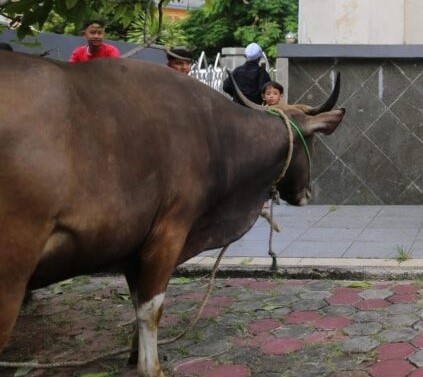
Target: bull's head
{"type": "Point", "coordinates": [305, 121]}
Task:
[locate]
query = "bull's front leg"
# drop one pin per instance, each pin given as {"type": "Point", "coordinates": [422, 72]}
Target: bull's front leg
{"type": "Point", "coordinates": [148, 316]}
{"type": "Point", "coordinates": [148, 281]}
{"type": "Point", "coordinates": [144, 350]}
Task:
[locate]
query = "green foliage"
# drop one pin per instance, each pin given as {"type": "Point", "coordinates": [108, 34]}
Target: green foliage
{"type": "Point", "coordinates": [219, 23]}
{"type": "Point", "coordinates": [227, 23]}
{"type": "Point", "coordinates": [57, 24]}
{"type": "Point", "coordinates": [30, 15]}
{"type": "Point", "coordinates": [125, 19]}
{"type": "Point", "coordinates": [172, 33]}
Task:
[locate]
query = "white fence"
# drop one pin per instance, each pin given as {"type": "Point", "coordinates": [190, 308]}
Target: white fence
{"type": "Point", "coordinates": [213, 75]}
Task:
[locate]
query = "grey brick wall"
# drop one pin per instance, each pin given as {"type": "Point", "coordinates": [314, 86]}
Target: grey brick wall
{"type": "Point", "coordinates": [376, 155]}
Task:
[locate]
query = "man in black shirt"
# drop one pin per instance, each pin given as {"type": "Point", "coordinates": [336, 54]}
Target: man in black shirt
{"type": "Point", "coordinates": [250, 77]}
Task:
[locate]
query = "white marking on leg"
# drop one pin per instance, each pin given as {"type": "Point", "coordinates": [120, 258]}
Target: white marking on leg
{"type": "Point", "coordinates": [148, 357]}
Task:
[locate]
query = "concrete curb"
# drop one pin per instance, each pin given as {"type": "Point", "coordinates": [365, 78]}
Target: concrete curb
{"type": "Point", "coordinates": [307, 268]}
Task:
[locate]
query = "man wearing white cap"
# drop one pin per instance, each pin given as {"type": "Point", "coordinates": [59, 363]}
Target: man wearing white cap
{"type": "Point", "coordinates": [250, 76]}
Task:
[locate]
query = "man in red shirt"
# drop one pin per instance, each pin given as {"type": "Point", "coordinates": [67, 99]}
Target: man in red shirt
{"type": "Point", "coordinates": [93, 31]}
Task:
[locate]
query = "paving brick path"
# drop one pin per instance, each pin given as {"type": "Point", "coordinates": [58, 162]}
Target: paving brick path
{"type": "Point", "coordinates": [306, 328]}
{"type": "Point", "coordinates": [263, 327]}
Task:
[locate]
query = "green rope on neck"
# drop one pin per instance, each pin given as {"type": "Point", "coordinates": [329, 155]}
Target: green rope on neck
{"type": "Point", "coordinates": [273, 112]}
{"type": "Point", "coordinates": [301, 136]}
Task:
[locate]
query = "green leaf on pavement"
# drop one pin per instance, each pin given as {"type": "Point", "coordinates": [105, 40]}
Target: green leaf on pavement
{"type": "Point", "coordinates": [22, 372]}
{"type": "Point", "coordinates": [181, 280]}
{"type": "Point", "coordinates": [360, 284]}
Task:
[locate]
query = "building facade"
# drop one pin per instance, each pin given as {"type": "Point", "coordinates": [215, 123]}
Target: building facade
{"type": "Point", "coordinates": [178, 10]}
{"type": "Point", "coordinates": [360, 21]}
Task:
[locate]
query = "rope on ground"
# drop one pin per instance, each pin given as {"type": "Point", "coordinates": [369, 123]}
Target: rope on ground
{"type": "Point", "coordinates": [275, 199]}
{"type": "Point", "coordinates": [35, 365]}
{"type": "Point", "coordinates": [269, 218]}
{"type": "Point", "coordinates": [203, 302]}
{"type": "Point", "coordinates": [274, 192]}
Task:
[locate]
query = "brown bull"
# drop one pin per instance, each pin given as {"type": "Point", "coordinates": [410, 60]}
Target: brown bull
{"type": "Point", "coordinates": [119, 165]}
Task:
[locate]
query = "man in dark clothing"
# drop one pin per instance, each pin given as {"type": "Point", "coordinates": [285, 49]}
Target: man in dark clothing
{"type": "Point", "coordinates": [250, 76]}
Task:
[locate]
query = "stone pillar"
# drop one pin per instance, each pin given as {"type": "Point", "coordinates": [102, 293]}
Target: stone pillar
{"type": "Point", "coordinates": [282, 75]}
{"type": "Point", "coordinates": [232, 57]}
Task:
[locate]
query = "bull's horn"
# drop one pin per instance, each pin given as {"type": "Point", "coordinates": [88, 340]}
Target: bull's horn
{"type": "Point", "coordinates": [328, 105]}
{"type": "Point", "coordinates": [240, 97]}
{"type": "Point", "coordinates": [330, 102]}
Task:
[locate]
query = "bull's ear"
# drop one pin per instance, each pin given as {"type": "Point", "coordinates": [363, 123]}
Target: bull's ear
{"type": "Point", "coordinates": [325, 123]}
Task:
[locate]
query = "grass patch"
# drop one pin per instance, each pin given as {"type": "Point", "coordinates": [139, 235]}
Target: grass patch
{"type": "Point", "coordinates": [246, 261]}
{"type": "Point", "coordinates": [360, 284]}
{"type": "Point", "coordinates": [402, 254]}
{"type": "Point", "coordinates": [181, 280]}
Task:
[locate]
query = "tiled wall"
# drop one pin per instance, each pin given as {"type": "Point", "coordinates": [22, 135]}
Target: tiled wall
{"type": "Point", "coordinates": [376, 155]}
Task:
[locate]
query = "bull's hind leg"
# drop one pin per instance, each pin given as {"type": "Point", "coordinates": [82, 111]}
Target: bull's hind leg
{"type": "Point", "coordinates": [17, 261]}
{"type": "Point", "coordinates": [11, 295]}
{"type": "Point", "coordinates": [148, 282]}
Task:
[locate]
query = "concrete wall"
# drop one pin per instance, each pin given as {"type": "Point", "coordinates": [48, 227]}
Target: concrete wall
{"type": "Point", "coordinates": [376, 156]}
{"type": "Point", "coordinates": [413, 30]}
{"type": "Point", "coordinates": [377, 45]}
{"type": "Point", "coordinates": [360, 21]}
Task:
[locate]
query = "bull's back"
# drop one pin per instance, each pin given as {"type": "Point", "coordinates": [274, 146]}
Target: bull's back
{"type": "Point", "coordinates": [31, 117]}
{"type": "Point", "coordinates": [70, 161]}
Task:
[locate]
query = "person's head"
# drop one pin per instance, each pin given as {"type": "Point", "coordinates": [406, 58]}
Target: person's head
{"type": "Point", "coordinates": [253, 52]}
{"type": "Point", "coordinates": [272, 93]}
{"type": "Point", "coordinates": [179, 58]}
{"type": "Point", "coordinates": [94, 31]}
{"type": "Point", "coordinates": [5, 46]}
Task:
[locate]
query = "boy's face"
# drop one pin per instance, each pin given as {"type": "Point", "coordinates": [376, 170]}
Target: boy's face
{"type": "Point", "coordinates": [94, 35]}
{"type": "Point", "coordinates": [180, 65]}
{"type": "Point", "coordinates": [271, 96]}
